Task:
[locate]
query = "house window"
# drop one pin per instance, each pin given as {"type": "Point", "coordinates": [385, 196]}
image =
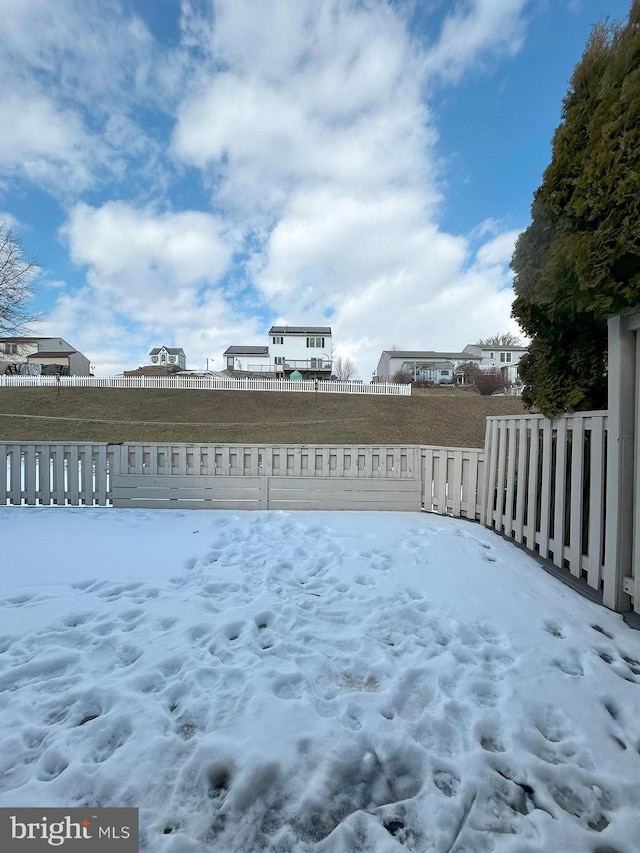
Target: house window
{"type": "Point", "coordinates": [154, 359]}
{"type": "Point", "coordinates": [492, 355]}
{"type": "Point", "coordinates": [505, 357]}
{"type": "Point", "coordinates": [11, 348]}
{"type": "Point", "coordinates": [279, 359]}
{"type": "Point", "coordinates": [163, 357]}
{"type": "Point", "coordinates": [315, 343]}
{"type": "Point", "coordinates": [444, 373]}
{"type": "Point", "coordinates": [277, 339]}
{"type": "Point", "coordinates": [172, 358]}
{"type": "Point", "coordinates": [229, 362]}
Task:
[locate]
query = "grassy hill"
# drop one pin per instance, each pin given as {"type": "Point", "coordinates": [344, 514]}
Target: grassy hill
{"type": "Point", "coordinates": [450, 417]}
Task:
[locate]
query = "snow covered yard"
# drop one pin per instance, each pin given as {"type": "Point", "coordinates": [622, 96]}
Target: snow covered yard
{"type": "Point", "coordinates": [313, 682]}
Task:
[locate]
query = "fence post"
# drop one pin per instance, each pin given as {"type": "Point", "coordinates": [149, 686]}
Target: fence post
{"type": "Point", "coordinates": [486, 476]}
{"type": "Point", "coordinates": [620, 468]}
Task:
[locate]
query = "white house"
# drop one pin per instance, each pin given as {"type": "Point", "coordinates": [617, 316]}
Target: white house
{"type": "Point", "coordinates": [168, 355]}
{"type": "Point", "coordinates": [42, 355]}
{"type": "Point", "coordinates": [502, 358]}
{"type": "Point", "coordinates": [423, 365]}
{"type": "Point", "coordinates": [306, 349]}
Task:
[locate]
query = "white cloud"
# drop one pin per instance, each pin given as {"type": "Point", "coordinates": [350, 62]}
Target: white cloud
{"type": "Point", "coordinates": [152, 278]}
{"type": "Point", "coordinates": [40, 140]}
{"type": "Point", "coordinates": [472, 32]}
{"type": "Point", "coordinates": [72, 77]}
{"type": "Point", "coordinates": [307, 122]}
{"type": "Point", "coordinates": [339, 105]}
{"type": "Point", "coordinates": [321, 122]}
{"type": "Point", "coordinates": [128, 246]}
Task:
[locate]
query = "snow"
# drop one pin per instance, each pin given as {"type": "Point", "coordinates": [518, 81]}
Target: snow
{"type": "Point", "coordinates": [312, 682]}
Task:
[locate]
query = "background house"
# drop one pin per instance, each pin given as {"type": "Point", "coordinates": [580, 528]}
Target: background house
{"type": "Point", "coordinates": [422, 365]}
{"type": "Point", "coordinates": [168, 355]}
{"type": "Point", "coordinates": [505, 359]}
{"type": "Point", "coordinates": [306, 349]}
{"type": "Point", "coordinates": [444, 368]}
{"type": "Point", "coordinates": [42, 355]}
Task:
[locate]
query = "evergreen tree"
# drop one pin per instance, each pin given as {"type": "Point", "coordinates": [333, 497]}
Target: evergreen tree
{"type": "Point", "coordinates": [578, 262]}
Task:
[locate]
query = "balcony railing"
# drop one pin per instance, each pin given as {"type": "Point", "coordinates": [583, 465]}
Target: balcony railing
{"type": "Point", "coordinates": [303, 364]}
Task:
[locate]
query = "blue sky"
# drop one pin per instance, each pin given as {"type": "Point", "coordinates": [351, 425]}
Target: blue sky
{"type": "Point", "coordinates": [188, 173]}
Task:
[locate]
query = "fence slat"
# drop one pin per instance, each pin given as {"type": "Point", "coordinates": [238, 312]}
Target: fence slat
{"type": "Point", "coordinates": [545, 512]}
{"type": "Point", "coordinates": [520, 480]}
{"type": "Point", "coordinates": [510, 474]}
{"type": "Point", "coordinates": [4, 461]}
{"type": "Point", "coordinates": [560, 488]}
{"type": "Point", "coordinates": [573, 554]}
{"type": "Point", "coordinates": [596, 504]}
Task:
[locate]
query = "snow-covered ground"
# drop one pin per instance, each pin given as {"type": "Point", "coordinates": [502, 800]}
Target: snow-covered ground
{"type": "Point", "coordinates": [312, 682]}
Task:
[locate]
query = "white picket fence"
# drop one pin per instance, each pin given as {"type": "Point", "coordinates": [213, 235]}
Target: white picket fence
{"type": "Point", "coordinates": [208, 383]}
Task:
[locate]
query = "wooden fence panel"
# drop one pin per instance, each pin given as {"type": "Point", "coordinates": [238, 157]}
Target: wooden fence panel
{"type": "Point", "coordinates": [143, 491]}
{"type": "Point", "coordinates": [350, 493]}
{"type": "Point", "coordinates": [540, 492]}
{"type": "Point", "coordinates": [54, 473]}
{"type": "Point", "coordinates": [452, 480]}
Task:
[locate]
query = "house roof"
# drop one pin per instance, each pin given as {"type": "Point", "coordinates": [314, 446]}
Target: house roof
{"type": "Point", "coordinates": [26, 339]}
{"type": "Point", "coordinates": [170, 350]}
{"type": "Point", "coordinates": [300, 330]}
{"type": "Point", "coordinates": [246, 350]}
{"type": "Point", "coordinates": [429, 354]}
{"type": "Point", "coordinates": [493, 348]}
{"type": "Point", "coordinates": [57, 354]}
{"type": "Point", "coordinates": [439, 365]}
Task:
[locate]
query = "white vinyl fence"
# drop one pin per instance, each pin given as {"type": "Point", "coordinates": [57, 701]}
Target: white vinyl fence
{"type": "Point", "coordinates": [208, 383]}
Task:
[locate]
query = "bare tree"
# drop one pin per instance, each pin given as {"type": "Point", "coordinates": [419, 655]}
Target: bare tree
{"type": "Point", "coordinates": [344, 369]}
{"type": "Point", "coordinates": [487, 382]}
{"type": "Point", "coordinates": [402, 377]}
{"type": "Point", "coordinates": [502, 339]}
{"type": "Point", "coordinates": [16, 280]}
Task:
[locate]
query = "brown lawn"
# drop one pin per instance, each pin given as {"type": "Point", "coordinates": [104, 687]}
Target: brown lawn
{"type": "Point", "coordinates": [449, 417]}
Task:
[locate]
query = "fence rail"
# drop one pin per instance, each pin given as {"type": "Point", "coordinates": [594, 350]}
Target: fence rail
{"type": "Point", "coordinates": [209, 383]}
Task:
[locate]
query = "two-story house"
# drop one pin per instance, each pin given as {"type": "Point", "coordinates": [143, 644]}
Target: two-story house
{"type": "Point", "coordinates": [163, 356]}
{"type": "Point", "coordinates": [42, 355]}
{"type": "Point", "coordinates": [502, 358]}
{"type": "Point", "coordinates": [305, 349]}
